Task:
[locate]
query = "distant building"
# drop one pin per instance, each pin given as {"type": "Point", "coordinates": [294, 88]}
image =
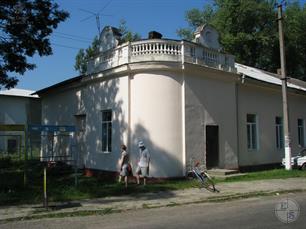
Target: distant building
{"type": "Point", "coordinates": [17, 107]}
{"type": "Point", "coordinates": [186, 101]}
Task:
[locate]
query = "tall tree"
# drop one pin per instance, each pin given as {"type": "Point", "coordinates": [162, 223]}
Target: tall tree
{"type": "Point", "coordinates": [84, 55]}
{"type": "Point", "coordinates": [25, 27]}
{"type": "Point", "coordinates": [295, 42]}
{"type": "Point", "coordinates": [248, 30]}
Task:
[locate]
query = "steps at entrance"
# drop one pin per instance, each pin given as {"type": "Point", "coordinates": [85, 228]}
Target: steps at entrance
{"type": "Point", "coordinates": [224, 173]}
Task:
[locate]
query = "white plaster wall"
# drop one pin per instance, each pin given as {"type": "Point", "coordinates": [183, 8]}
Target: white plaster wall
{"type": "Point", "coordinates": [267, 104]}
{"type": "Point", "coordinates": [210, 101]}
{"type": "Point", "coordinates": [156, 119]}
{"type": "Point", "coordinates": [90, 99]}
{"type": "Point", "coordinates": [297, 109]}
{"type": "Point", "coordinates": [59, 108]}
{"type": "Point", "coordinates": [13, 110]}
{"type": "Point", "coordinates": [110, 94]}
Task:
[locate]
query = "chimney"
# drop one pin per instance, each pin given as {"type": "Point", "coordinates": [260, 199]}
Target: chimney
{"type": "Point", "coordinates": [155, 35]}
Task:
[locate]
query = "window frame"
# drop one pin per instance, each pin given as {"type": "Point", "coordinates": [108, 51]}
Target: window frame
{"type": "Point", "coordinates": [279, 132]}
{"type": "Point", "coordinates": [251, 127]}
{"type": "Point", "coordinates": [301, 132]}
{"type": "Point", "coordinates": [80, 122]}
{"type": "Point", "coordinates": [109, 127]}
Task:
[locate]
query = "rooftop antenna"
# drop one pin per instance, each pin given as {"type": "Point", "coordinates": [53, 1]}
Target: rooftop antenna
{"type": "Point", "coordinates": [96, 15]}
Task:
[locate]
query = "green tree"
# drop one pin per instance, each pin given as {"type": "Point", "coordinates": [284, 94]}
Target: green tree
{"type": "Point", "coordinates": [295, 42]}
{"type": "Point", "coordinates": [195, 18]}
{"type": "Point", "coordinates": [248, 29]}
{"type": "Point", "coordinates": [84, 55]}
{"type": "Point", "coordinates": [127, 35]}
{"type": "Point", "coordinates": [25, 27]}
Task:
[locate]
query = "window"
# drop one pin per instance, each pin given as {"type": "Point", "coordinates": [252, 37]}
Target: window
{"type": "Point", "coordinates": [107, 131]}
{"type": "Point", "coordinates": [279, 132]}
{"type": "Point", "coordinates": [301, 132]}
{"type": "Point", "coordinates": [80, 122]}
{"type": "Point", "coordinates": [252, 132]}
{"type": "Point", "coordinates": [192, 51]}
{"type": "Point", "coordinates": [12, 145]}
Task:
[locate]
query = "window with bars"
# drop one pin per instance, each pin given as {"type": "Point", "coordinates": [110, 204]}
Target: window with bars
{"type": "Point", "coordinates": [301, 132]}
{"type": "Point", "coordinates": [279, 131]}
{"type": "Point", "coordinates": [252, 135]}
{"type": "Point", "coordinates": [107, 130]}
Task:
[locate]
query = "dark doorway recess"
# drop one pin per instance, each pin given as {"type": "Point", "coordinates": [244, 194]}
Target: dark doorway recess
{"type": "Point", "coordinates": [212, 146]}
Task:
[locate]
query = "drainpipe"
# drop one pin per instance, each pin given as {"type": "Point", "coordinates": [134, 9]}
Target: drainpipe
{"type": "Point", "coordinates": [241, 80]}
{"type": "Point", "coordinates": [237, 119]}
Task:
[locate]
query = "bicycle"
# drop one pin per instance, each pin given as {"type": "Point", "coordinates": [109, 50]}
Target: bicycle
{"type": "Point", "coordinates": [204, 179]}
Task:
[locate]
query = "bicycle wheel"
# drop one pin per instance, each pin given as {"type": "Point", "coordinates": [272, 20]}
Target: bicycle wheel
{"type": "Point", "coordinates": [208, 183]}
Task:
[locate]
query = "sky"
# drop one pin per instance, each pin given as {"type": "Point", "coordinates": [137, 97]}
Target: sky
{"type": "Point", "coordinates": [142, 16]}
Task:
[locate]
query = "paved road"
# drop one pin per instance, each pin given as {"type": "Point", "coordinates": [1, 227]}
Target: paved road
{"type": "Point", "coordinates": [249, 213]}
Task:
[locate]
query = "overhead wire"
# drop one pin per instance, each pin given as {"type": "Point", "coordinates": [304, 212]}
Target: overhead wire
{"type": "Point", "coordinates": [71, 35]}
{"type": "Point", "coordinates": [76, 37]}
{"type": "Point", "coordinates": [71, 38]}
{"type": "Point", "coordinates": [65, 46]}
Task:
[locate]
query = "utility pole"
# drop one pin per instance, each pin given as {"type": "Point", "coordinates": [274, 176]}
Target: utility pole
{"type": "Point", "coordinates": [284, 88]}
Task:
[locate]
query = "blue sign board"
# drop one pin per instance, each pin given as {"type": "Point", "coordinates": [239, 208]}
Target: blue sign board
{"type": "Point", "coordinates": [50, 128]}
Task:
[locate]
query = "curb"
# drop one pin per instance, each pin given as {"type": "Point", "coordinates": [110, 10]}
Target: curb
{"type": "Point", "coordinates": [106, 211]}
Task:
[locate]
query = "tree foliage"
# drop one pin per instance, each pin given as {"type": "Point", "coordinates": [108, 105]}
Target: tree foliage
{"type": "Point", "coordinates": [249, 30]}
{"type": "Point", "coordinates": [84, 55]}
{"type": "Point", "coordinates": [25, 26]}
{"type": "Point", "coordinates": [127, 35]}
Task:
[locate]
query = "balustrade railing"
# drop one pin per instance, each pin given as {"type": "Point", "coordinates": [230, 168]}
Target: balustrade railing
{"type": "Point", "coordinates": [152, 47]}
{"type": "Point", "coordinates": [161, 50]}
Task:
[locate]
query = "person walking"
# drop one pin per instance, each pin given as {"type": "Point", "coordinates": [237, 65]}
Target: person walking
{"type": "Point", "coordinates": [143, 163]}
{"type": "Point", "coordinates": [124, 165]}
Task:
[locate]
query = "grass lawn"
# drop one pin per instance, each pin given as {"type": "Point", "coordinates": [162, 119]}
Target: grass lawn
{"type": "Point", "coordinates": [60, 183]}
{"type": "Point", "coordinates": [267, 174]}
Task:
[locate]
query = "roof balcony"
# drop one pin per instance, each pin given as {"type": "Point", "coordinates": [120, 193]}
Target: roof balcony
{"type": "Point", "coordinates": [161, 50]}
{"type": "Point", "coordinates": [205, 50]}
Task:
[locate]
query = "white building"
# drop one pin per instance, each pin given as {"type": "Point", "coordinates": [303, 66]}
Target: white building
{"type": "Point", "coordinates": [17, 107]}
{"type": "Point", "coordinates": [185, 100]}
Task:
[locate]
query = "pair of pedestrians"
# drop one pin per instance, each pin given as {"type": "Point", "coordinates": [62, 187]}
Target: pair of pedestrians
{"type": "Point", "coordinates": [142, 165]}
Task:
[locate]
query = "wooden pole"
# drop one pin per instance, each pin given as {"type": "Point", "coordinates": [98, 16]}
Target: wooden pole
{"type": "Point", "coordinates": [45, 187]}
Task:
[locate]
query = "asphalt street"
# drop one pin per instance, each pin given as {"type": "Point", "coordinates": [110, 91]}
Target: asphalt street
{"type": "Point", "coordinates": [248, 213]}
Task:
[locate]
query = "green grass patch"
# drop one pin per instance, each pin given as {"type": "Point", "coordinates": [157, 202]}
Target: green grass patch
{"type": "Point", "coordinates": [264, 175]}
{"type": "Point", "coordinates": [60, 184]}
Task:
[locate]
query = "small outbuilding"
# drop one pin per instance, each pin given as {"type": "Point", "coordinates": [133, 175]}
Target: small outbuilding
{"type": "Point", "coordinates": [18, 107]}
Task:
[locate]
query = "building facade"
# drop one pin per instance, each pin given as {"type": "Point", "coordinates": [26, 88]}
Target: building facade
{"type": "Point", "coordinates": [17, 107]}
{"type": "Point", "coordinates": [187, 101]}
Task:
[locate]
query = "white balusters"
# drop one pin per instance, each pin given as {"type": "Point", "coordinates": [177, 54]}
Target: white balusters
{"type": "Point", "coordinates": [162, 50]}
{"type": "Point", "coordinates": [156, 47]}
